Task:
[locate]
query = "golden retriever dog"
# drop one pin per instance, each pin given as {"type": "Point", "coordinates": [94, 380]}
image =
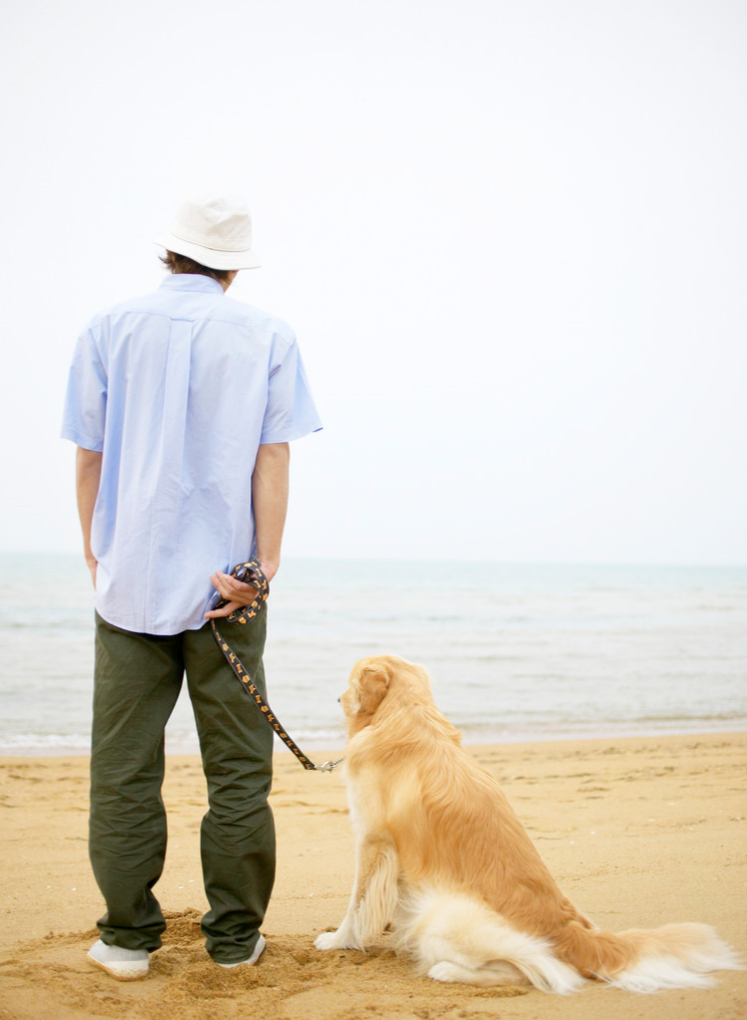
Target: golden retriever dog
{"type": "Point", "coordinates": [443, 858]}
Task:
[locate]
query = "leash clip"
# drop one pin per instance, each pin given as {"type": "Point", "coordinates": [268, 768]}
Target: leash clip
{"type": "Point", "coordinates": [328, 766]}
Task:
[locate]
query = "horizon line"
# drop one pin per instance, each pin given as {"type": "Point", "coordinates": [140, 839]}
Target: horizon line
{"type": "Point", "coordinates": [292, 557]}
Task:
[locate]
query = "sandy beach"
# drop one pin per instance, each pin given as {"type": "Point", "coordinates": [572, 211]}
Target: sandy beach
{"type": "Point", "coordinates": [638, 831]}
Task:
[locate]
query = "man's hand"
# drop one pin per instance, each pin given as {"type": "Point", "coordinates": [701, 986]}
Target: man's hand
{"type": "Point", "coordinates": [92, 563]}
{"type": "Point", "coordinates": [238, 593]}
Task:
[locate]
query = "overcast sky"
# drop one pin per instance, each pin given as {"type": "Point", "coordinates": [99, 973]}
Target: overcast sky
{"type": "Point", "coordinates": [509, 235]}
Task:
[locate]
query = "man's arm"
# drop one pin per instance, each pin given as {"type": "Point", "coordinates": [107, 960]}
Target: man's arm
{"type": "Point", "coordinates": [270, 503]}
{"type": "Point", "coordinates": [87, 479]}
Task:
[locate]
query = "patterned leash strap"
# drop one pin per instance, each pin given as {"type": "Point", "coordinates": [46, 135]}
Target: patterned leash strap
{"type": "Point", "coordinates": [251, 573]}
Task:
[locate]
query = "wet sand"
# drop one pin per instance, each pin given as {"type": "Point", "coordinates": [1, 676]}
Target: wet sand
{"type": "Point", "coordinates": [638, 831]}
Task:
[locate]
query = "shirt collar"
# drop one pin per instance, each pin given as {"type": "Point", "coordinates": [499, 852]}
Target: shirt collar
{"type": "Point", "coordinates": [192, 282]}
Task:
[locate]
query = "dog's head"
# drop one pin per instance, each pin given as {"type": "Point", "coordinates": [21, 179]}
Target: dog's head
{"type": "Point", "coordinates": [367, 687]}
{"type": "Point", "coordinates": [380, 682]}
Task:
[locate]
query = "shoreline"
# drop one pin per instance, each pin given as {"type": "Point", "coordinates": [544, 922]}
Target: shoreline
{"type": "Point", "coordinates": [638, 831]}
{"type": "Point", "coordinates": [320, 745]}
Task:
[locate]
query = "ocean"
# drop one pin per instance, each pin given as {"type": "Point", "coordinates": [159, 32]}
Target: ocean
{"type": "Point", "coordinates": [515, 652]}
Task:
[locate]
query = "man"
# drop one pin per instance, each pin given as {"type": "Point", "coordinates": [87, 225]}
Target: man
{"type": "Point", "coordinates": [182, 404]}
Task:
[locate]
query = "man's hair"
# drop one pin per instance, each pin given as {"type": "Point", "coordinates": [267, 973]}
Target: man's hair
{"type": "Point", "coordinates": [181, 264]}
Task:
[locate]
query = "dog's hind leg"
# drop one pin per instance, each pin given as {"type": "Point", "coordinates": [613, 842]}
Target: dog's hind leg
{"type": "Point", "coordinates": [456, 938]}
{"type": "Point", "coordinates": [498, 973]}
{"type": "Point", "coordinates": [373, 899]}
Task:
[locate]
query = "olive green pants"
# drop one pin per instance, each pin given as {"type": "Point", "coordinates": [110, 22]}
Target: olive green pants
{"type": "Point", "coordinates": [136, 683]}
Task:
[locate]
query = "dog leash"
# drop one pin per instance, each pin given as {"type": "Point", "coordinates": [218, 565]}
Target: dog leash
{"type": "Point", "coordinates": [251, 573]}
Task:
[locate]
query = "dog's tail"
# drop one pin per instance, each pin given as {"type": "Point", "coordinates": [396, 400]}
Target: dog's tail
{"type": "Point", "coordinates": [640, 960]}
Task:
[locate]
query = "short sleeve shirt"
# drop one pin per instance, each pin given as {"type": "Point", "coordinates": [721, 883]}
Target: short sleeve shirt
{"type": "Point", "coordinates": [178, 390]}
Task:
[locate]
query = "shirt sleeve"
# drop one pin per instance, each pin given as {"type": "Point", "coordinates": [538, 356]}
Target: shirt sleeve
{"type": "Point", "coordinates": [84, 413]}
{"type": "Point", "coordinates": [290, 412]}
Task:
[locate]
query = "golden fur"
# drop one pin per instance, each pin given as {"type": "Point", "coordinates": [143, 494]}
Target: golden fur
{"type": "Point", "coordinates": [442, 855]}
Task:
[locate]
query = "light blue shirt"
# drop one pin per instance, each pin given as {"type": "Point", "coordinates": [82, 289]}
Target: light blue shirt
{"type": "Point", "coordinates": [178, 390]}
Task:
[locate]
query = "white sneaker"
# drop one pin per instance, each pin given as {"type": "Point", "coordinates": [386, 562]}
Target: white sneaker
{"type": "Point", "coordinates": [259, 948]}
{"type": "Point", "coordinates": [122, 964]}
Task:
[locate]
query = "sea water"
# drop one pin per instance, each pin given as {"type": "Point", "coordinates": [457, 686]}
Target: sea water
{"type": "Point", "coordinates": [515, 652]}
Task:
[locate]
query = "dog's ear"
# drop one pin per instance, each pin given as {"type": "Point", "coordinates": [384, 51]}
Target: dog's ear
{"type": "Point", "coordinates": [373, 682]}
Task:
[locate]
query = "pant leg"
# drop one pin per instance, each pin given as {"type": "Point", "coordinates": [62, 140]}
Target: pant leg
{"type": "Point", "coordinates": [238, 832]}
{"type": "Point", "coordinates": [137, 678]}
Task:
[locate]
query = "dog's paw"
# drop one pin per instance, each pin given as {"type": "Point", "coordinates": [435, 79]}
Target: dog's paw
{"type": "Point", "coordinates": [334, 940]}
{"type": "Point", "coordinates": [446, 971]}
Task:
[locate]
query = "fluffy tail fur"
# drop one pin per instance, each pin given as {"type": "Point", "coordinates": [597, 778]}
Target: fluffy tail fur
{"type": "Point", "coordinates": [639, 960]}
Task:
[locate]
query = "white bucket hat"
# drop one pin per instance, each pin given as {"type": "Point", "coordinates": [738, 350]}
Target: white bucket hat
{"type": "Point", "coordinates": [214, 230]}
